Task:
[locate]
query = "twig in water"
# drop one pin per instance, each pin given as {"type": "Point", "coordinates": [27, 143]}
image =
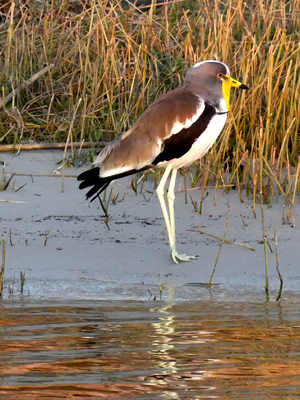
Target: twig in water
{"type": "Point", "coordinates": [244, 223]}
{"type": "Point", "coordinates": [11, 288]}
{"type": "Point", "coordinates": [277, 265]}
{"type": "Point", "coordinates": [3, 267]}
{"type": "Point", "coordinates": [10, 239]}
{"type": "Point", "coordinates": [19, 188]}
{"type": "Point", "coordinates": [271, 250]}
{"type": "Point", "coordinates": [22, 277]}
{"type": "Point", "coordinates": [150, 293]}
{"type": "Point", "coordinates": [223, 239]}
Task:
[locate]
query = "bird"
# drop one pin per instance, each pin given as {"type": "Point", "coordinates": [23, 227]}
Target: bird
{"type": "Point", "coordinates": [175, 130]}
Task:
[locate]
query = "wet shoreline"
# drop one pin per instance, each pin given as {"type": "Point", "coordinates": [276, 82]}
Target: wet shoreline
{"type": "Point", "coordinates": [66, 251]}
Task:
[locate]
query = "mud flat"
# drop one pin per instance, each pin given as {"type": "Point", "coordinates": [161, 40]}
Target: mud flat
{"type": "Point", "coordinates": [82, 259]}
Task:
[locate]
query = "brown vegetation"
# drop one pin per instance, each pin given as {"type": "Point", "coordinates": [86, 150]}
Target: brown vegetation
{"type": "Point", "coordinates": [110, 62]}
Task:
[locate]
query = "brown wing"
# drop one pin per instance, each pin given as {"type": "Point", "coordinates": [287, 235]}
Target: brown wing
{"type": "Point", "coordinates": [139, 147]}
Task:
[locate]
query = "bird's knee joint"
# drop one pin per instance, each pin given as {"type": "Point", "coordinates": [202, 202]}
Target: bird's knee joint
{"type": "Point", "coordinates": [171, 196]}
{"type": "Point", "coordinates": [160, 191]}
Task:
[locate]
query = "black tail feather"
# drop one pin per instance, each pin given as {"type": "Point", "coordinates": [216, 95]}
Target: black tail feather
{"type": "Point", "coordinates": [97, 189]}
{"type": "Point", "coordinates": [89, 174]}
{"type": "Point", "coordinates": [92, 178]}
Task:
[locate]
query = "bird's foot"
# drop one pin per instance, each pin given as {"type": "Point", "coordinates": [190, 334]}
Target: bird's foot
{"type": "Point", "coordinates": [181, 257]}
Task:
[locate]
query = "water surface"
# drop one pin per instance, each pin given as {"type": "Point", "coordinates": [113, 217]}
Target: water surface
{"type": "Point", "coordinates": [152, 349]}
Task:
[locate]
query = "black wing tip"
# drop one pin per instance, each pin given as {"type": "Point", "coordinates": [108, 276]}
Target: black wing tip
{"type": "Point", "coordinates": [91, 179]}
{"type": "Point", "coordinates": [97, 189]}
{"type": "Point", "coordinates": [90, 173]}
{"type": "Point", "coordinates": [83, 184]}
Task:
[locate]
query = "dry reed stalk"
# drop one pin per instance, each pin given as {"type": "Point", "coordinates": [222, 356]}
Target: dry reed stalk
{"type": "Point", "coordinates": [119, 60]}
{"type": "Point", "coordinates": [220, 248]}
{"type": "Point", "coordinates": [13, 201]}
{"type": "Point", "coordinates": [276, 180]}
{"type": "Point", "coordinates": [205, 180]}
{"type": "Point", "coordinates": [277, 265]}
{"type": "Point", "coordinates": [215, 194]}
{"type": "Point", "coordinates": [294, 192]}
{"type": "Point", "coordinates": [224, 186]}
{"type": "Point", "coordinates": [22, 281]}
{"type": "Point", "coordinates": [28, 82]}
{"type": "Point", "coordinates": [69, 141]}
{"type": "Point", "coordinates": [10, 237]}
{"type": "Point", "coordinates": [254, 185]}
{"type": "Point", "coordinates": [223, 239]}
{"type": "Point", "coordinates": [185, 188]}
{"type": "Point", "coordinates": [261, 146]}
{"type": "Point", "coordinates": [2, 268]}
{"type": "Point", "coordinates": [51, 146]}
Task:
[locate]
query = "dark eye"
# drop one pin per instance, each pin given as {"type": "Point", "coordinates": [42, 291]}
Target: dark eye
{"type": "Point", "coordinates": [220, 75]}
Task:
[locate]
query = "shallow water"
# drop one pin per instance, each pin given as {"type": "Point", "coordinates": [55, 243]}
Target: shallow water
{"type": "Point", "coordinates": [145, 350]}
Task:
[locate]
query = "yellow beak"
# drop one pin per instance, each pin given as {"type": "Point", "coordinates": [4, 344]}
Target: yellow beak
{"type": "Point", "coordinates": [229, 82]}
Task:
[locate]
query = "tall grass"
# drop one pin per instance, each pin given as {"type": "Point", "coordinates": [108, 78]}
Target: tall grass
{"type": "Point", "coordinates": [118, 60]}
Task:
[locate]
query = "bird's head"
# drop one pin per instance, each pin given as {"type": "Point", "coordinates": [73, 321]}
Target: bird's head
{"type": "Point", "coordinates": [212, 79]}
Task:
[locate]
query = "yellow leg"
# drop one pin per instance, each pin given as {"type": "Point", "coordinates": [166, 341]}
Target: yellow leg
{"type": "Point", "coordinates": [170, 218]}
{"type": "Point", "coordinates": [171, 201]}
{"type": "Point", "coordinates": [161, 193]}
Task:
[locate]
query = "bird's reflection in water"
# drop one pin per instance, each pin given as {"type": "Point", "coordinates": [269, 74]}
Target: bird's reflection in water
{"type": "Point", "coordinates": [165, 347]}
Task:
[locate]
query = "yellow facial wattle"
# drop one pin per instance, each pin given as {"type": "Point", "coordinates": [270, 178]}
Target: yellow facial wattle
{"type": "Point", "coordinates": [229, 82]}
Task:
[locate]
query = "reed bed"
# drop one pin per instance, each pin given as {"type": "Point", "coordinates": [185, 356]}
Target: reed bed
{"type": "Point", "coordinates": [110, 60]}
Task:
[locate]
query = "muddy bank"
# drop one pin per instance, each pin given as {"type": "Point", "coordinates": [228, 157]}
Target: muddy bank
{"type": "Point", "coordinates": [83, 259]}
